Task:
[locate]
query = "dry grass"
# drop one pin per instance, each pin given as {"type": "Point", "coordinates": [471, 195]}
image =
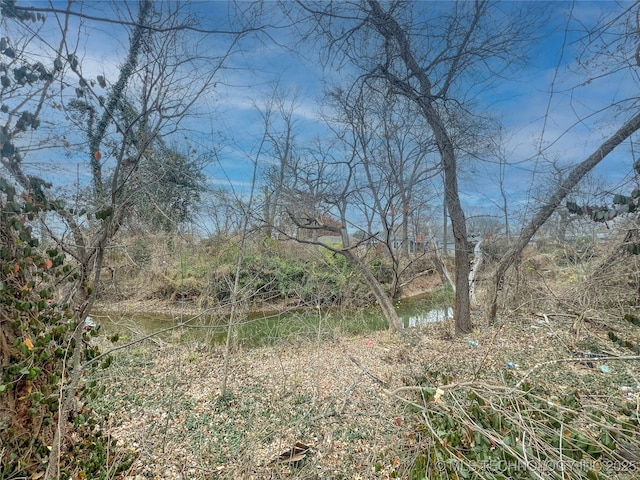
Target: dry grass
{"type": "Point", "coordinates": [359, 402]}
{"type": "Point", "coordinates": [333, 395]}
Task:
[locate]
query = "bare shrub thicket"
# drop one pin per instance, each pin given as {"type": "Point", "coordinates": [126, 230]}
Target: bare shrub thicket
{"type": "Point", "coordinates": [611, 287]}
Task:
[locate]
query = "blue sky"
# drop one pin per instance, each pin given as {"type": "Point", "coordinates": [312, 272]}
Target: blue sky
{"type": "Point", "coordinates": [541, 108]}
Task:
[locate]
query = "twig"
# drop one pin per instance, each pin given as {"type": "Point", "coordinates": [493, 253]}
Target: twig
{"type": "Point", "coordinates": [574, 359]}
{"type": "Point", "coordinates": [146, 337]}
{"type": "Point", "coordinates": [553, 332]}
{"type": "Point", "coordinates": [347, 394]}
{"type": "Point", "coordinates": [367, 372]}
{"type": "Point", "coordinates": [449, 386]}
{"type": "Point", "coordinates": [486, 353]}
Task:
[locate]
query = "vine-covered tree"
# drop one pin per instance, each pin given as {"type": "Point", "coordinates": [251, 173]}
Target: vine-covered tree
{"type": "Point", "coordinates": [608, 50]}
{"type": "Point", "coordinates": [76, 174]}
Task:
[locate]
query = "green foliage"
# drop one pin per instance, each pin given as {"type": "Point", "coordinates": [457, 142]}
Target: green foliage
{"type": "Point", "coordinates": [203, 272]}
{"type": "Point", "coordinates": [478, 432]}
{"type": "Point", "coordinates": [633, 319]}
{"type": "Point", "coordinates": [175, 183]}
{"type": "Point", "coordinates": [621, 204]}
{"type": "Point", "coordinates": [633, 248]}
{"type": "Point", "coordinates": [331, 280]}
{"type": "Point", "coordinates": [382, 270]}
{"type": "Point", "coordinates": [624, 343]}
{"type": "Point", "coordinates": [8, 9]}
{"type": "Point", "coordinates": [167, 185]}
{"type": "Point", "coordinates": [322, 279]}
{"type": "Point", "coordinates": [19, 78]}
{"type": "Point", "coordinates": [37, 341]}
{"type": "Point", "coordinates": [272, 275]}
{"type": "Point", "coordinates": [166, 189]}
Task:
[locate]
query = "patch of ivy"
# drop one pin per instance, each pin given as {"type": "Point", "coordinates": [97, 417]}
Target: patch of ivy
{"type": "Point", "coordinates": [39, 336]}
{"type": "Point", "coordinates": [509, 433]}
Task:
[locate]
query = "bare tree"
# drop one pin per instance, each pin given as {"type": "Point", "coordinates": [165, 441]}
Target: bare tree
{"type": "Point", "coordinates": [280, 136]}
{"type": "Point", "coordinates": [118, 122]}
{"type": "Point", "coordinates": [223, 212]}
{"type": "Point", "coordinates": [318, 198]}
{"type": "Point", "coordinates": [547, 209]}
{"type": "Point", "coordinates": [387, 138]}
{"type": "Point", "coordinates": [610, 48]}
{"type": "Point", "coordinates": [399, 48]}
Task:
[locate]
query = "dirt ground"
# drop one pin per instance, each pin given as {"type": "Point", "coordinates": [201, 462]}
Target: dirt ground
{"type": "Point", "coordinates": [349, 403]}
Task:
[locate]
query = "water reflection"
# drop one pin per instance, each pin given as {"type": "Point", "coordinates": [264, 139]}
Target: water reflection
{"type": "Point", "coordinates": [252, 330]}
{"type": "Point", "coordinates": [432, 316]}
{"type": "Point", "coordinates": [264, 328]}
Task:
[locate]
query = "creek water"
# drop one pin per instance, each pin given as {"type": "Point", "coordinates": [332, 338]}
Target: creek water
{"type": "Point", "coordinates": [265, 328]}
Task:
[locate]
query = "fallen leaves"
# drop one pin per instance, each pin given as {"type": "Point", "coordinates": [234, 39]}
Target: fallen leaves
{"type": "Point", "coordinates": [307, 406]}
{"type": "Point", "coordinates": [342, 415]}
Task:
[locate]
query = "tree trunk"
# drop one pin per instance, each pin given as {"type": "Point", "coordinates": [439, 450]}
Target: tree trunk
{"type": "Point", "coordinates": [445, 227]}
{"type": "Point", "coordinates": [442, 269]}
{"type": "Point", "coordinates": [136, 45]}
{"type": "Point", "coordinates": [388, 310]}
{"type": "Point", "coordinates": [478, 259]}
{"type": "Point", "coordinates": [462, 309]}
{"type": "Point", "coordinates": [406, 242]}
{"type": "Point", "coordinates": [390, 314]}
{"type": "Point", "coordinates": [578, 172]}
{"type": "Point", "coordinates": [389, 28]}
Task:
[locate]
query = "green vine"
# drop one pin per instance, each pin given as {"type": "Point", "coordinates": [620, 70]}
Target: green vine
{"type": "Point", "coordinates": [36, 345]}
{"type": "Point", "coordinates": [498, 432]}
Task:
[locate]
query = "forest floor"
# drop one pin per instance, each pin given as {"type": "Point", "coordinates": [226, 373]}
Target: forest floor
{"type": "Point", "coordinates": [350, 404]}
